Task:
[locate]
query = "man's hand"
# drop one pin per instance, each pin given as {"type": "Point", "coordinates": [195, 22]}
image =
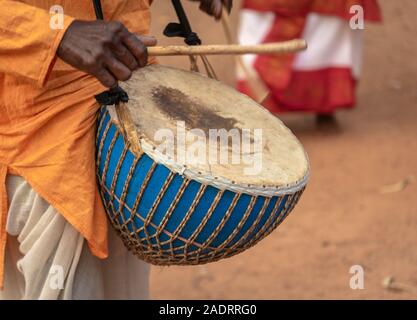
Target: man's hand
{"type": "Point", "coordinates": [106, 50]}
{"type": "Point", "coordinates": [215, 7]}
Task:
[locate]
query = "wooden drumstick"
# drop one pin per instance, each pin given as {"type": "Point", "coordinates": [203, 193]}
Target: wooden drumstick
{"type": "Point", "coordinates": [230, 49]}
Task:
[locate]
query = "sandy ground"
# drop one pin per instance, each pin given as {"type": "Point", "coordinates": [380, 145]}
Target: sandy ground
{"type": "Point", "coordinates": [344, 218]}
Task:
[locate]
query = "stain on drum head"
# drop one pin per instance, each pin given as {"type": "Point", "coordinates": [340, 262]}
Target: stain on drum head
{"type": "Point", "coordinates": [160, 97]}
{"type": "Point", "coordinates": [178, 106]}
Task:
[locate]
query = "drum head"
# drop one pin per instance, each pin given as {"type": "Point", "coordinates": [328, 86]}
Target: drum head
{"type": "Point", "coordinates": [179, 115]}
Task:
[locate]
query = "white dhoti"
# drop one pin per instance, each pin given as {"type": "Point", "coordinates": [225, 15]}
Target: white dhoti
{"type": "Point", "coordinates": [46, 258]}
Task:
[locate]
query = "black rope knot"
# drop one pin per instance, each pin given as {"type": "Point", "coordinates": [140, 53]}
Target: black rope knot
{"type": "Point", "coordinates": [174, 29]}
{"type": "Point", "coordinates": [192, 39]}
{"type": "Point", "coordinates": [183, 28]}
{"type": "Point", "coordinates": [112, 97]}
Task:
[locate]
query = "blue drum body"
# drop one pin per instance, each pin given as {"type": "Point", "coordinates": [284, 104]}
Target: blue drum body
{"type": "Point", "coordinates": [166, 219]}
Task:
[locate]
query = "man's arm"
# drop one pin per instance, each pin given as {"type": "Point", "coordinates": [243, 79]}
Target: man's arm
{"type": "Point", "coordinates": [28, 45]}
{"type": "Point", "coordinates": [106, 50]}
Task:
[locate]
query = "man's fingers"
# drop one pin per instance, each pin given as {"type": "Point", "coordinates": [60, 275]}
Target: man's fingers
{"type": "Point", "coordinates": [228, 5]}
{"type": "Point", "coordinates": [215, 7]}
{"type": "Point", "coordinates": [137, 48]}
{"type": "Point", "coordinates": [125, 56]}
{"type": "Point", "coordinates": [117, 68]}
{"type": "Point", "coordinates": [106, 78]}
{"type": "Point", "coordinates": [148, 41]}
{"type": "Point", "coordinates": [211, 7]}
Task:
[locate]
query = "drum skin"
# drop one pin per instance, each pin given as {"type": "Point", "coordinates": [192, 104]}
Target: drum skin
{"type": "Point", "coordinates": [168, 219]}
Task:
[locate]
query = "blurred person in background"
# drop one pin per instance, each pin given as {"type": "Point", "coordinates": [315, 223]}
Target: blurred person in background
{"type": "Point", "coordinates": [321, 79]}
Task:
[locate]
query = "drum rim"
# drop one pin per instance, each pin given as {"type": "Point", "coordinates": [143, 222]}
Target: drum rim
{"type": "Point", "coordinates": [205, 178]}
{"type": "Point", "coordinates": [220, 182]}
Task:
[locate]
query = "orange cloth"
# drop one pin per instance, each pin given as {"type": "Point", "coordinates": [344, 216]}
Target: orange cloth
{"type": "Point", "coordinates": [48, 111]}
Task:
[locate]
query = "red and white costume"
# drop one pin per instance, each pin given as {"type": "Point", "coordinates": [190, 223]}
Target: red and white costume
{"type": "Point", "coordinates": [321, 79]}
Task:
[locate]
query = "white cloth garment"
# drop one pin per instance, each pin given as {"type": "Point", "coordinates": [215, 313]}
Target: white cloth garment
{"type": "Point", "coordinates": [331, 41]}
{"type": "Point", "coordinates": [46, 258]}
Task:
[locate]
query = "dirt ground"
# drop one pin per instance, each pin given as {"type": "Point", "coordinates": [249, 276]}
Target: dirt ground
{"type": "Point", "coordinates": [360, 207]}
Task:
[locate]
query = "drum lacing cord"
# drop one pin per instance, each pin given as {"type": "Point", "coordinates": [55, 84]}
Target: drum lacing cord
{"type": "Point", "coordinates": [191, 38]}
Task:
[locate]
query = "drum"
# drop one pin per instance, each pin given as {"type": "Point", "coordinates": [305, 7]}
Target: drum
{"type": "Point", "coordinates": [191, 171]}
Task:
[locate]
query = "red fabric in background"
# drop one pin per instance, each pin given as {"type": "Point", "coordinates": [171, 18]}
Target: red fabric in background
{"type": "Point", "coordinates": [318, 91]}
{"type": "Point", "coordinates": [339, 8]}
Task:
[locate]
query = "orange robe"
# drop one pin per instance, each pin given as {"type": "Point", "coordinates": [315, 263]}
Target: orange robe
{"type": "Point", "coordinates": [48, 111]}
